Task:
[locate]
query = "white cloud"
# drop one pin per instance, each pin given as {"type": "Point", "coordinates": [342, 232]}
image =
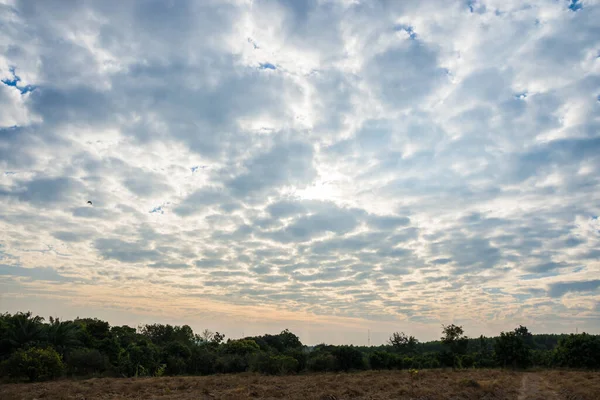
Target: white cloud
{"type": "Point", "coordinates": [330, 161]}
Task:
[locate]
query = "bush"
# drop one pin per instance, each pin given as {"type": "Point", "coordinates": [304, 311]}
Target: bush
{"type": "Point", "coordinates": [86, 361]}
{"type": "Point", "coordinates": [322, 362]}
{"type": "Point", "coordinates": [231, 363]}
{"type": "Point", "coordinates": [300, 356]}
{"type": "Point", "coordinates": [380, 360]}
{"type": "Point", "coordinates": [202, 360]}
{"type": "Point", "coordinates": [348, 357]}
{"type": "Point", "coordinates": [35, 363]}
{"type": "Point", "coordinates": [139, 359]}
{"type": "Point", "coordinates": [273, 364]}
{"type": "Point", "coordinates": [240, 347]}
{"type": "Point", "coordinates": [578, 351]}
{"type": "Point", "coordinates": [176, 365]}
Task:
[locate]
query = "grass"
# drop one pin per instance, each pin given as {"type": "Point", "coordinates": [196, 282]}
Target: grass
{"type": "Point", "coordinates": [430, 385]}
{"type": "Point", "coordinates": [571, 385]}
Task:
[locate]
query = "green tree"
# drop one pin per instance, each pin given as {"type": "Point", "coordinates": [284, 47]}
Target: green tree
{"type": "Point", "coordinates": [403, 344]}
{"type": "Point", "coordinates": [86, 362]}
{"type": "Point", "coordinates": [62, 335]}
{"type": "Point", "coordinates": [35, 363]}
{"type": "Point", "coordinates": [510, 350]}
{"type": "Point", "coordinates": [23, 330]}
{"type": "Point", "coordinates": [578, 351]}
{"type": "Point", "coordinates": [348, 358]}
{"type": "Point", "coordinates": [456, 341]}
{"type": "Point", "coordinates": [240, 347]}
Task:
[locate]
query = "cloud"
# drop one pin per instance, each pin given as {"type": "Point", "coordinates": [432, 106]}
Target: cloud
{"type": "Point", "coordinates": [127, 252]}
{"type": "Point", "coordinates": [559, 289]}
{"type": "Point", "coordinates": [36, 273]}
{"type": "Point", "coordinates": [289, 164]}
{"type": "Point", "coordinates": [377, 161]}
{"type": "Point", "coordinates": [388, 222]}
{"type": "Point", "coordinates": [307, 227]}
{"type": "Point", "coordinates": [46, 192]}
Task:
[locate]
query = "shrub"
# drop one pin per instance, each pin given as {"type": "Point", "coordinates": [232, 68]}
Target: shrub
{"type": "Point", "coordinates": [231, 363]}
{"type": "Point", "coordinates": [86, 361]}
{"type": "Point", "coordinates": [578, 351]}
{"type": "Point", "coordinates": [139, 359]}
{"type": "Point", "coordinates": [273, 364]}
{"type": "Point", "coordinates": [202, 360]}
{"type": "Point", "coordinates": [348, 357]}
{"type": "Point", "coordinates": [322, 362]}
{"type": "Point", "coordinates": [176, 365]}
{"type": "Point", "coordinates": [396, 361]}
{"type": "Point", "coordinates": [35, 363]}
{"type": "Point", "coordinates": [240, 347]}
{"type": "Point", "coordinates": [380, 360]}
{"type": "Point", "coordinates": [300, 356]}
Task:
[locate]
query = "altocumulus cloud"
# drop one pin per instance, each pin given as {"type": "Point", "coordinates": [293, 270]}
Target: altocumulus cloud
{"type": "Point", "coordinates": [337, 159]}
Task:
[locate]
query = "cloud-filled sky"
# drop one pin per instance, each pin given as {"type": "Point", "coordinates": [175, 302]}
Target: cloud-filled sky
{"type": "Point", "coordinates": [328, 166]}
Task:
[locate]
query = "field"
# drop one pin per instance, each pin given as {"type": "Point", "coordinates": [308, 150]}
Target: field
{"type": "Point", "coordinates": [432, 385]}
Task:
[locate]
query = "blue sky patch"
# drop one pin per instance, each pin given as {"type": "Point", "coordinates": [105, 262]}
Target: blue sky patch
{"type": "Point", "coordinates": [575, 5]}
{"type": "Point", "coordinates": [14, 82]}
{"type": "Point", "coordinates": [267, 66]}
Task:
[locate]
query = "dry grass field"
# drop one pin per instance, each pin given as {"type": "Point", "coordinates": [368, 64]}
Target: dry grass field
{"type": "Point", "coordinates": [432, 385]}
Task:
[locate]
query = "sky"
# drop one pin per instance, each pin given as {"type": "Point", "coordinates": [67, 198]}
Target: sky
{"type": "Point", "coordinates": [339, 168]}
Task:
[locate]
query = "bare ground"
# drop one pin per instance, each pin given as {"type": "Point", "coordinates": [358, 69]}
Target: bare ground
{"type": "Point", "coordinates": [427, 385]}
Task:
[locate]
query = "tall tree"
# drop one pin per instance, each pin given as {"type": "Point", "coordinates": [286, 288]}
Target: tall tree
{"type": "Point", "coordinates": [511, 350]}
{"type": "Point", "coordinates": [403, 343]}
{"type": "Point", "coordinates": [456, 341]}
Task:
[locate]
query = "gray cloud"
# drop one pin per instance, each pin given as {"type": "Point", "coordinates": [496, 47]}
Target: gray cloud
{"type": "Point", "coordinates": [36, 273]}
{"type": "Point", "coordinates": [559, 289]}
{"type": "Point", "coordinates": [284, 164]}
{"type": "Point", "coordinates": [127, 252]}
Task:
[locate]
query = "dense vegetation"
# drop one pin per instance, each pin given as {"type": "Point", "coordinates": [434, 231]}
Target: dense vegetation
{"type": "Point", "coordinates": [35, 350]}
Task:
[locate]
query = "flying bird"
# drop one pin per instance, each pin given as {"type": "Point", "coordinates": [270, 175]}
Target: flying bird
{"type": "Point", "coordinates": [89, 202]}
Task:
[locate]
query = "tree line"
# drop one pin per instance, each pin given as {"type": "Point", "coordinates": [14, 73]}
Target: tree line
{"type": "Point", "coordinates": [33, 349]}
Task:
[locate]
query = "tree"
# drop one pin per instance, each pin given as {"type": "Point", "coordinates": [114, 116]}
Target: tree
{"type": "Point", "coordinates": [578, 351]}
{"type": "Point", "coordinates": [454, 338]}
{"type": "Point", "coordinates": [207, 335]}
{"type": "Point", "coordinates": [240, 347]}
{"type": "Point", "coordinates": [403, 344]}
{"type": "Point", "coordinates": [24, 329]}
{"type": "Point", "coordinates": [510, 350]}
{"type": "Point", "coordinates": [348, 357]}
{"type": "Point", "coordinates": [35, 363]}
{"type": "Point", "coordinates": [62, 335]}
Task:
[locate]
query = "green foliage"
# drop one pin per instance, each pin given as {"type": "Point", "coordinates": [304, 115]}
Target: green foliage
{"type": "Point", "coordinates": [202, 360]}
{"type": "Point", "coordinates": [34, 349]}
{"type": "Point", "coordinates": [273, 364]}
{"type": "Point", "coordinates": [61, 335]}
{"type": "Point", "coordinates": [403, 344]}
{"type": "Point", "coordinates": [511, 350]}
{"type": "Point", "coordinates": [348, 358]}
{"type": "Point", "coordinates": [35, 363]}
{"type": "Point", "coordinates": [86, 361]}
{"type": "Point", "coordinates": [321, 362]}
{"type": "Point", "coordinates": [381, 360]}
{"type": "Point", "coordinates": [231, 363]}
{"type": "Point", "coordinates": [300, 356]}
{"type": "Point", "coordinates": [240, 347]}
{"type": "Point", "coordinates": [139, 359]}
{"type": "Point", "coordinates": [176, 365]}
{"type": "Point", "coordinates": [160, 334]}
{"type": "Point", "coordinates": [455, 340]}
{"type": "Point", "coordinates": [578, 351]}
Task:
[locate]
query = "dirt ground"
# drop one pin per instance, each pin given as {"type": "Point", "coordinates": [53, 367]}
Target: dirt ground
{"type": "Point", "coordinates": [426, 385]}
